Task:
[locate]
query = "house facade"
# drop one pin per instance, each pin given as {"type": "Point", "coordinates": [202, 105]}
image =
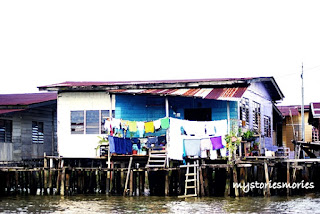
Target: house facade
{"type": "Point", "coordinates": [292, 125]}
{"type": "Point", "coordinates": [84, 107]}
{"type": "Point", "coordinates": [27, 126]}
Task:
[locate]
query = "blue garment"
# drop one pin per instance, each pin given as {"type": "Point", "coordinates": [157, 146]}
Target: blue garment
{"type": "Point", "coordinates": [152, 140]}
{"type": "Point", "coordinates": [122, 146]}
{"type": "Point", "coordinates": [111, 144]}
{"type": "Point", "coordinates": [116, 145]}
{"type": "Point", "coordinates": [191, 147]}
{"type": "Point", "coordinates": [128, 146]}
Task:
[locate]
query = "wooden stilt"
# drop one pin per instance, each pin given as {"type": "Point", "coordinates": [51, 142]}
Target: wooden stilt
{"type": "Point", "coordinates": [266, 173]}
{"type": "Point", "coordinates": [242, 179]}
{"type": "Point", "coordinates": [128, 175]}
{"type": "Point", "coordinates": [166, 191]}
{"type": "Point", "coordinates": [235, 180]}
{"type": "Point", "coordinates": [227, 187]}
{"type": "Point", "coordinates": [288, 178]}
{"type": "Point", "coordinates": [63, 176]}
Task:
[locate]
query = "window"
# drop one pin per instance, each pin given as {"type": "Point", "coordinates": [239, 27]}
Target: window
{"type": "Point", "coordinates": [89, 121]}
{"type": "Point", "coordinates": [244, 106]}
{"type": "Point", "coordinates": [256, 119]}
{"type": "Point", "coordinates": [37, 132]}
{"type": "Point", "coordinates": [267, 126]}
{"type": "Point", "coordinates": [77, 122]}
{"type": "Point", "coordinates": [92, 122]}
{"type": "Point", "coordinates": [104, 116]}
{"type": "Point", "coordinates": [5, 131]}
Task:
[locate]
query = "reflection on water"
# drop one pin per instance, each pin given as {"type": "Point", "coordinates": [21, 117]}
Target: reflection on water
{"type": "Point", "coordinates": [119, 204]}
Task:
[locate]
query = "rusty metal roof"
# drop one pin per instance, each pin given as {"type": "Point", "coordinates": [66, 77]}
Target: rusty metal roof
{"type": "Point", "coordinates": [315, 109]}
{"type": "Point", "coordinates": [213, 88]}
{"type": "Point", "coordinates": [26, 99]}
{"type": "Point", "coordinates": [228, 93]}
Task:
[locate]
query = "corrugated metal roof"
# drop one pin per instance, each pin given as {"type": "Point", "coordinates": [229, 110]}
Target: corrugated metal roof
{"type": "Point", "coordinates": [295, 109]}
{"type": "Point", "coordinates": [150, 82]}
{"type": "Point", "coordinates": [285, 110]}
{"type": "Point", "coordinates": [315, 108]}
{"type": "Point", "coordinates": [26, 99]}
{"type": "Point", "coordinates": [6, 111]}
{"type": "Point", "coordinates": [233, 93]}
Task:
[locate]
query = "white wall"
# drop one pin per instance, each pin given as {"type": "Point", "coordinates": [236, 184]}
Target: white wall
{"type": "Point", "coordinates": [258, 93]}
{"type": "Point", "coordinates": [79, 145]}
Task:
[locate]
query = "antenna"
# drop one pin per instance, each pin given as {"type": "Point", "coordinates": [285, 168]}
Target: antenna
{"type": "Point", "coordinates": [302, 105]}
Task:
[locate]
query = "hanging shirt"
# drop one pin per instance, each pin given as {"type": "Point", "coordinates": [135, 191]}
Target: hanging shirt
{"type": "Point", "coordinates": [216, 142]}
{"type": "Point", "coordinates": [132, 126]}
{"type": "Point", "coordinates": [192, 147]}
{"type": "Point", "coordinates": [157, 124]}
{"type": "Point", "coordinates": [149, 127]}
{"type": "Point", "coordinates": [140, 126]}
{"type": "Point", "coordinates": [165, 123]}
{"type": "Point", "coordinates": [205, 145]}
{"type": "Point", "coordinates": [111, 144]}
{"type": "Point", "coordinates": [175, 140]}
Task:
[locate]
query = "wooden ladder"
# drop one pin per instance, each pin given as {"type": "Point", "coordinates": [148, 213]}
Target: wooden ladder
{"type": "Point", "coordinates": [192, 180]}
{"type": "Point", "coordinates": [157, 159]}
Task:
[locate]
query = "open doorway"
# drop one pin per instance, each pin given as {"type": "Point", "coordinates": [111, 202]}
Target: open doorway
{"type": "Point", "coordinates": [198, 114]}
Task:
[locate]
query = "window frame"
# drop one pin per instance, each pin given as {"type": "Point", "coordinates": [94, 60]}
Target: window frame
{"type": "Point", "coordinates": [37, 132]}
{"type": "Point", "coordinates": [245, 111]}
{"type": "Point", "coordinates": [7, 124]}
{"type": "Point", "coordinates": [256, 117]}
{"type": "Point", "coordinates": [102, 116]}
{"type": "Point", "coordinates": [267, 126]}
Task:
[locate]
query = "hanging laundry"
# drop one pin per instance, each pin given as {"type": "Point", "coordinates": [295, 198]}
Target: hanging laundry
{"type": "Point", "coordinates": [213, 154]}
{"type": "Point", "coordinates": [152, 140]}
{"type": "Point", "coordinates": [210, 128]}
{"type": "Point", "coordinates": [128, 146]}
{"type": "Point", "coordinates": [111, 144]}
{"type": "Point", "coordinates": [175, 140]}
{"type": "Point", "coordinates": [216, 142]}
{"type": "Point", "coordinates": [132, 126]}
{"type": "Point", "coordinates": [115, 123]}
{"type": "Point", "coordinates": [124, 124]}
{"type": "Point", "coordinates": [222, 130]}
{"type": "Point", "coordinates": [140, 127]}
{"type": "Point", "coordinates": [149, 127]}
{"type": "Point", "coordinates": [157, 124]}
{"type": "Point", "coordinates": [205, 145]}
{"type": "Point", "coordinates": [192, 147]}
{"type": "Point", "coordinates": [165, 123]}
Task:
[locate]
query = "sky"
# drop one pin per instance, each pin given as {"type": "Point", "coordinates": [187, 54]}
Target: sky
{"type": "Point", "coordinates": [45, 42]}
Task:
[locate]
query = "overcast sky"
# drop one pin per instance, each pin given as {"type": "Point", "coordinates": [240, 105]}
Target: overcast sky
{"type": "Point", "coordinates": [44, 42]}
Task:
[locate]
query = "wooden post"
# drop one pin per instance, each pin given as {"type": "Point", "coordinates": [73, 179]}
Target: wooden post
{"type": "Point", "coordinates": [146, 183]}
{"type": "Point", "coordinates": [235, 180]}
{"type": "Point", "coordinates": [63, 176]}
{"type": "Point", "coordinates": [227, 187]}
{"type": "Point", "coordinates": [201, 182]}
{"type": "Point", "coordinates": [131, 184]}
{"type": "Point", "coordinates": [166, 191]}
{"type": "Point", "coordinates": [288, 178]}
{"type": "Point", "coordinates": [266, 173]}
{"type": "Point", "coordinates": [242, 179]}
{"type": "Point", "coordinates": [128, 175]}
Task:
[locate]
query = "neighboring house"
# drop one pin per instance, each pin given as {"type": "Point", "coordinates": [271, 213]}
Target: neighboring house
{"type": "Point", "coordinates": [84, 106]}
{"type": "Point", "coordinates": [292, 125]}
{"type": "Point", "coordinates": [314, 120]}
{"type": "Point", "coordinates": [27, 126]}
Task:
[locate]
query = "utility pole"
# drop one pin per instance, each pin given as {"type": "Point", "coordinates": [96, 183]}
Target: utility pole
{"type": "Point", "coordinates": [302, 107]}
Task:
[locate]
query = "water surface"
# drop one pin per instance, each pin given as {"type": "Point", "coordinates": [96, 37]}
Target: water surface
{"type": "Point", "coordinates": [119, 204]}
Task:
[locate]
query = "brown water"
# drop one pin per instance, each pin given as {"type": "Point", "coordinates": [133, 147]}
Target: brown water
{"type": "Point", "coordinates": [119, 204]}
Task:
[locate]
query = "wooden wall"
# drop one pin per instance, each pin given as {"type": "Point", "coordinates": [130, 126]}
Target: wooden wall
{"type": "Point", "coordinates": [22, 146]}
